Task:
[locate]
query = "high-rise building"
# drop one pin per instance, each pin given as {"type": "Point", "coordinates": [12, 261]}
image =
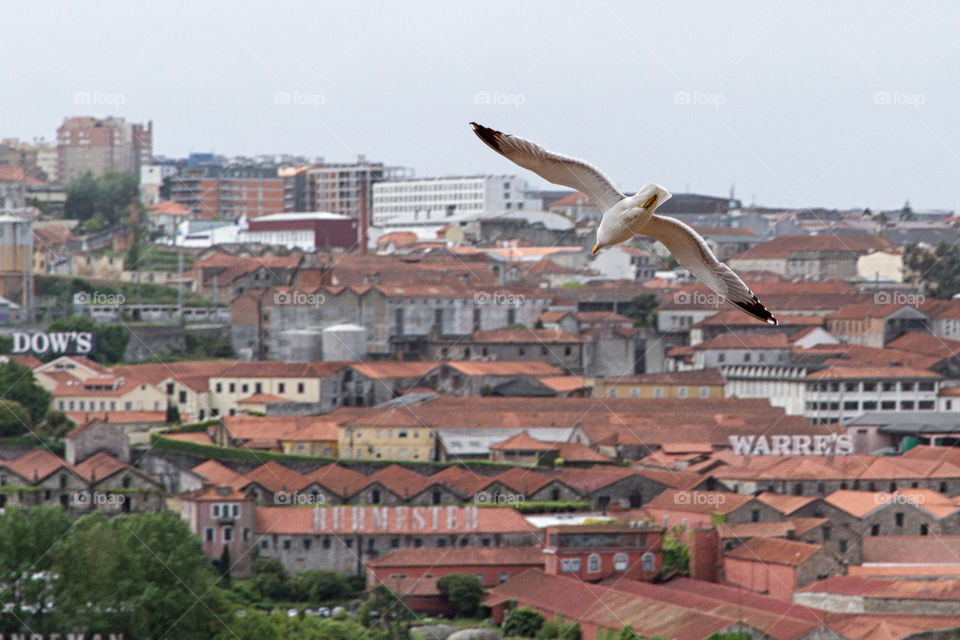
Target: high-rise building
{"type": "Point", "coordinates": [228, 193]}
{"type": "Point", "coordinates": [347, 189]}
{"type": "Point", "coordinates": [441, 201]}
{"type": "Point", "coordinates": [16, 259]}
{"type": "Point", "coordinates": [100, 146]}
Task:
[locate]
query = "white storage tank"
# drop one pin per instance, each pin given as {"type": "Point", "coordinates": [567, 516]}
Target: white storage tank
{"type": "Point", "coordinates": [344, 342]}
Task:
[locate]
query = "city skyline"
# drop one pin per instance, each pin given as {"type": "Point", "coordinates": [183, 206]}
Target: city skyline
{"type": "Point", "coordinates": [793, 106]}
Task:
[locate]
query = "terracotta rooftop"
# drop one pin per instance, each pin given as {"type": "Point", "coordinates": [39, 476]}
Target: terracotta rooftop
{"type": "Point", "coordinates": [887, 588]}
{"type": "Point", "coordinates": [691, 377]}
{"type": "Point", "coordinates": [927, 344]}
{"type": "Point", "coordinates": [785, 504]}
{"type": "Point", "coordinates": [219, 474]}
{"type": "Point", "coordinates": [546, 336]}
{"type": "Point", "coordinates": [465, 556]}
{"type": "Point", "coordinates": [867, 310]}
{"type": "Point", "coordinates": [300, 521]}
{"type": "Point", "coordinates": [504, 368]}
{"type": "Point", "coordinates": [745, 341]}
{"type": "Point", "coordinates": [563, 384]}
{"type": "Point", "coordinates": [36, 464]}
{"type": "Point", "coordinates": [784, 246]}
{"type": "Point", "coordinates": [773, 551]}
{"type": "Point", "coordinates": [523, 442]}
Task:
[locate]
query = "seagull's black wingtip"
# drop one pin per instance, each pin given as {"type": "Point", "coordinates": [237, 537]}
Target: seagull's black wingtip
{"type": "Point", "coordinates": [488, 135]}
{"type": "Point", "coordinates": [756, 309]}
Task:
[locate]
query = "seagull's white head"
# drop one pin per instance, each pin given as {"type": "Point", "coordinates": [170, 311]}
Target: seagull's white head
{"type": "Point", "coordinates": [647, 199]}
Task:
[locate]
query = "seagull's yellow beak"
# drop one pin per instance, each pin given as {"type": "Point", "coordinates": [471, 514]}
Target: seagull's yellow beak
{"type": "Point", "coordinates": [596, 248]}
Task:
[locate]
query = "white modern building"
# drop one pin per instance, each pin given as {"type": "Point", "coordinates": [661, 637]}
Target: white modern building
{"type": "Point", "coordinates": [432, 201]}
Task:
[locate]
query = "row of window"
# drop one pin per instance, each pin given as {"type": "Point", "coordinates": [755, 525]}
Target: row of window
{"type": "Point", "coordinates": [401, 433]}
{"type": "Point", "coordinates": [326, 542]}
{"type": "Point", "coordinates": [226, 534]}
{"type": "Point", "coordinates": [871, 405]}
{"type": "Point", "coordinates": [658, 392]}
{"type": "Point", "coordinates": [245, 388]}
{"type": "Point", "coordinates": [648, 563]}
{"type": "Point", "coordinates": [82, 405]}
{"type": "Point", "coordinates": [871, 386]}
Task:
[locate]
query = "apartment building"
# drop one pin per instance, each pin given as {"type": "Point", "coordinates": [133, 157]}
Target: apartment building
{"type": "Point", "coordinates": [227, 193]}
{"type": "Point", "coordinates": [440, 201]}
{"type": "Point", "coordinates": [101, 146]}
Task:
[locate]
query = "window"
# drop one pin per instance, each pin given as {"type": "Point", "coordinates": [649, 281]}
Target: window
{"type": "Point", "coordinates": [208, 534]}
{"type": "Point", "coordinates": [898, 518]}
{"type": "Point", "coordinates": [264, 544]}
{"type": "Point", "coordinates": [287, 543]}
{"type": "Point", "coordinates": [906, 386]}
{"type": "Point", "coordinates": [612, 393]}
{"type": "Point", "coordinates": [704, 392]}
{"type": "Point", "coordinates": [326, 543]}
{"type": "Point", "coordinates": [306, 544]}
{"type": "Point", "coordinates": [504, 576]}
{"type": "Point", "coordinates": [906, 405]}
{"type": "Point", "coordinates": [620, 562]}
{"type": "Point", "coordinates": [170, 389]}
{"type": "Point", "coordinates": [281, 387]}
{"type": "Point", "coordinates": [849, 386]}
{"type": "Point", "coordinates": [755, 515]}
{"type": "Point", "coordinates": [232, 387]}
{"type": "Point", "coordinates": [648, 562]}
{"type": "Point", "coordinates": [869, 386]}
{"type": "Point", "coordinates": [183, 396]}
{"type": "Point", "coordinates": [887, 386]}
{"type": "Point", "coordinates": [682, 392]}
{"type": "Point", "coordinates": [842, 546]}
{"type": "Point", "coordinates": [923, 530]}
{"type": "Point", "coordinates": [219, 387]}
{"type": "Point", "coordinates": [850, 406]}
{"type": "Point", "coordinates": [570, 565]}
{"type": "Point", "coordinates": [634, 392]}
{"type": "Point", "coordinates": [441, 542]}
{"type": "Point", "coordinates": [925, 386]}
{"type": "Point", "coordinates": [888, 405]}
{"type": "Point", "coordinates": [593, 563]}
{"type": "Point", "coordinates": [869, 405]}
{"type": "Point", "coordinates": [658, 392]}
{"type": "Point", "coordinates": [925, 405]}
{"type": "Point", "coordinates": [299, 387]}
{"type": "Point", "coordinates": [875, 530]}
{"type": "Point", "coordinates": [826, 533]}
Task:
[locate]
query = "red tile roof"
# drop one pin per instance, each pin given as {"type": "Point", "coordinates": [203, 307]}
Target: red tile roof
{"type": "Point", "coordinates": [563, 384]}
{"type": "Point", "coordinates": [523, 442]}
{"type": "Point", "coordinates": [697, 501]}
{"type": "Point", "coordinates": [219, 474]}
{"type": "Point", "coordinates": [927, 344]}
{"type": "Point", "coordinates": [37, 464]}
{"type": "Point", "coordinates": [691, 377]}
{"type": "Point", "coordinates": [465, 556]}
{"type": "Point", "coordinates": [504, 368]}
{"type": "Point", "coordinates": [300, 521]}
{"type": "Point", "coordinates": [773, 551]}
{"type": "Point", "coordinates": [784, 246]}
{"type": "Point", "coordinates": [745, 341]}
{"type": "Point", "coordinates": [546, 336]}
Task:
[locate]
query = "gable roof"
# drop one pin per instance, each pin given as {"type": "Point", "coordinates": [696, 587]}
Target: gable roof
{"type": "Point", "coordinates": [773, 551]}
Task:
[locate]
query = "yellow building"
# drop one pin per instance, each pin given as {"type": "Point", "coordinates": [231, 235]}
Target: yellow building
{"type": "Point", "coordinates": [310, 382]}
{"type": "Point", "coordinates": [384, 434]}
{"type": "Point", "coordinates": [699, 383]}
{"type": "Point", "coordinates": [108, 393]}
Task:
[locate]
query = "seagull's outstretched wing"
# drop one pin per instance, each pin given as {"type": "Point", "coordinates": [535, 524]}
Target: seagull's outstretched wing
{"type": "Point", "coordinates": [692, 252]}
{"type": "Point", "coordinates": [552, 167]}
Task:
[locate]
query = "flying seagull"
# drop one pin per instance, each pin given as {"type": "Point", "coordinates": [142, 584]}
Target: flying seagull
{"type": "Point", "coordinates": [625, 217]}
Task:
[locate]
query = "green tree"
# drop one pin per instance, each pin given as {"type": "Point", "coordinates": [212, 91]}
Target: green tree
{"type": "Point", "coordinates": [318, 585]}
{"type": "Point", "coordinates": [14, 418]}
{"type": "Point", "coordinates": [173, 414]}
{"type": "Point", "coordinates": [463, 591]}
{"type": "Point", "coordinates": [142, 575]}
{"type": "Point", "coordinates": [642, 309]}
{"type": "Point", "coordinates": [627, 633]}
{"type": "Point", "coordinates": [676, 553]}
{"type": "Point", "coordinates": [110, 340]}
{"type": "Point", "coordinates": [55, 425]}
{"type": "Point", "coordinates": [559, 629]}
{"type": "Point", "coordinates": [224, 565]}
{"type": "Point", "coordinates": [26, 538]}
{"type": "Point", "coordinates": [269, 577]}
{"type": "Point", "coordinates": [18, 384]}
{"type": "Point", "coordinates": [81, 201]}
{"type": "Point", "coordinates": [386, 611]}
{"type": "Point", "coordinates": [523, 622]}
{"type": "Point", "coordinates": [938, 271]}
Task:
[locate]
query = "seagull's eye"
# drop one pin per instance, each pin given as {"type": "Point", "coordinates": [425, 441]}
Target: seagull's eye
{"type": "Point", "coordinates": [652, 200]}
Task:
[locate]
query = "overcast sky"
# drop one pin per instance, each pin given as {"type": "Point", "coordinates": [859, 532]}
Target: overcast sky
{"type": "Point", "coordinates": [796, 103]}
